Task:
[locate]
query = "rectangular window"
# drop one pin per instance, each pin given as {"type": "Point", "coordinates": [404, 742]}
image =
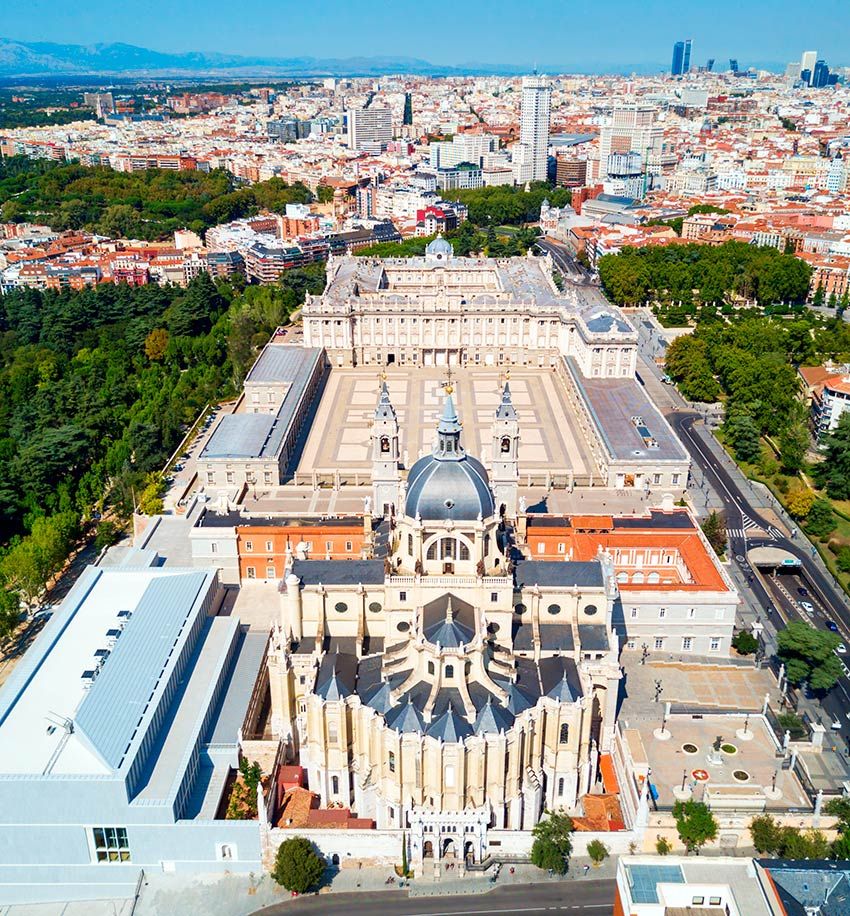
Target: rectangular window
{"type": "Point", "coordinates": [213, 547]}
{"type": "Point", "coordinates": [251, 573]}
{"type": "Point", "coordinates": [630, 644]}
{"type": "Point", "coordinates": [349, 546]}
{"type": "Point", "coordinates": [392, 762]}
{"type": "Point", "coordinates": [714, 901]}
{"type": "Point", "coordinates": [676, 478]}
{"type": "Point", "coordinates": [329, 546]}
{"type": "Point", "coordinates": [562, 547]}
{"type": "Point", "coordinates": [210, 477]}
{"type": "Point", "coordinates": [494, 597]}
{"type": "Point", "coordinates": [656, 479]}
{"type": "Point", "coordinates": [249, 546]}
{"type": "Point", "coordinates": [541, 547]}
{"type": "Point", "coordinates": [402, 596]}
{"type": "Point", "coordinates": [659, 642]}
{"type": "Point", "coordinates": [229, 476]}
{"type": "Point", "coordinates": [269, 546]}
{"type": "Point", "coordinates": [450, 777]}
{"type": "Point", "coordinates": [110, 844]}
{"type": "Point", "coordinates": [687, 642]}
{"type": "Point", "coordinates": [692, 612]}
{"type": "Point", "coordinates": [662, 613]}
{"type": "Point", "coordinates": [634, 613]}
{"type": "Point", "coordinates": [270, 574]}
{"type": "Point", "coordinates": [267, 477]}
{"type": "Point", "coordinates": [714, 646]}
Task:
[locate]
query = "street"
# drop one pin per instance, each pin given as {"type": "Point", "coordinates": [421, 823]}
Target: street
{"type": "Point", "coordinates": [590, 896]}
{"type": "Point", "coordinates": [741, 519]}
{"type": "Point", "coordinates": [564, 261]}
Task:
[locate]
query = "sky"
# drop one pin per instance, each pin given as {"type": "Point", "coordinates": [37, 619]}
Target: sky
{"type": "Point", "coordinates": [553, 34]}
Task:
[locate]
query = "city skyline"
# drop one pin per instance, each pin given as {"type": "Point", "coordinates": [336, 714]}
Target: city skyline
{"type": "Point", "coordinates": [288, 30]}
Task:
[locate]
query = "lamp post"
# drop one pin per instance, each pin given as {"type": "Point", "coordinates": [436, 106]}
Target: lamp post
{"type": "Point", "coordinates": [644, 653]}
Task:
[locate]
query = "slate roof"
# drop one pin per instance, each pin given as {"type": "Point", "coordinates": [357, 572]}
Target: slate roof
{"type": "Point", "coordinates": [811, 886]}
{"type": "Point", "coordinates": [560, 679]}
{"type": "Point", "coordinates": [405, 718]}
{"type": "Point", "coordinates": [339, 572]}
{"type": "Point", "coordinates": [336, 676]}
{"type": "Point", "coordinates": [450, 727]}
{"type": "Point", "coordinates": [554, 573]}
{"type": "Point", "coordinates": [493, 719]}
{"type": "Point", "coordinates": [556, 636]}
{"type": "Point", "coordinates": [593, 636]}
{"type": "Point", "coordinates": [449, 621]}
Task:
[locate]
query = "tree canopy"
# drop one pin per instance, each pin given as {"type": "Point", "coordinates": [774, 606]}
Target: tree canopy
{"type": "Point", "coordinates": [808, 654]}
{"type": "Point", "coordinates": [552, 843]}
{"type": "Point", "coordinates": [704, 273]}
{"type": "Point", "coordinates": [297, 865]}
{"type": "Point", "coordinates": [695, 824]}
{"type": "Point", "coordinates": [834, 471]}
{"type": "Point", "coordinates": [508, 205]}
{"type": "Point", "coordinates": [145, 205]}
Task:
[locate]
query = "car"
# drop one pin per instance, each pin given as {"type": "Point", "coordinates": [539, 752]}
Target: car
{"type": "Point", "coordinates": [807, 606]}
{"type": "Point", "coordinates": [666, 379]}
{"type": "Point", "coordinates": [803, 591]}
{"type": "Point", "coordinates": [44, 613]}
{"type": "Point", "coordinates": [831, 625]}
{"type": "Point", "coordinates": [841, 649]}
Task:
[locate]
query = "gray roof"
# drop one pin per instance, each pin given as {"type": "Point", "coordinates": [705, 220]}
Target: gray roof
{"type": "Point", "coordinates": [247, 435]}
{"type": "Point", "coordinates": [811, 886]}
{"type": "Point", "coordinates": [111, 710]}
{"type": "Point", "coordinates": [493, 719]}
{"type": "Point", "coordinates": [448, 621]}
{"type": "Point", "coordinates": [405, 718]}
{"type": "Point", "coordinates": [449, 727]}
{"type": "Point", "coordinates": [523, 635]}
{"type": "Point", "coordinates": [335, 680]}
{"type": "Point", "coordinates": [593, 636]}
{"type": "Point", "coordinates": [448, 489]}
{"type": "Point", "coordinates": [339, 572]}
{"type": "Point", "coordinates": [556, 636]}
{"type": "Point", "coordinates": [612, 403]}
{"type": "Point", "coordinates": [560, 679]}
{"type": "Point", "coordinates": [559, 573]}
{"type": "Point", "coordinates": [385, 409]}
{"type": "Point", "coordinates": [280, 363]}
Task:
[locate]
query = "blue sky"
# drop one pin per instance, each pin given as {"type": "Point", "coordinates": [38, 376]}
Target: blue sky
{"type": "Point", "coordinates": [579, 34]}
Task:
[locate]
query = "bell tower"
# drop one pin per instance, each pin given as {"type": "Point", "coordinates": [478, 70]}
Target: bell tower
{"type": "Point", "coordinates": [386, 478]}
{"type": "Point", "coordinates": [504, 477]}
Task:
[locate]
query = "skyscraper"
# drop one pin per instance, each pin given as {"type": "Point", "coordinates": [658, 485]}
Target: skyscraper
{"type": "Point", "coordinates": [807, 62]}
{"type": "Point", "coordinates": [681, 57]}
{"type": "Point", "coordinates": [820, 75]}
{"type": "Point", "coordinates": [370, 129]}
{"type": "Point", "coordinates": [686, 64]}
{"type": "Point", "coordinates": [733, 64]}
{"type": "Point", "coordinates": [534, 129]}
{"type": "Point", "coordinates": [678, 58]}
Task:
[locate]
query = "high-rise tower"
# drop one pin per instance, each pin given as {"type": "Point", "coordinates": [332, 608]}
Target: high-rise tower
{"type": "Point", "coordinates": [534, 129]}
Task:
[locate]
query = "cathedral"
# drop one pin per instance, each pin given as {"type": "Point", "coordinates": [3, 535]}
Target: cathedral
{"type": "Point", "coordinates": [447, 684]}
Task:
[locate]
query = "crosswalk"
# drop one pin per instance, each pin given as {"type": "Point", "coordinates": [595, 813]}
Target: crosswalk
{"type": "Point", "coordinates": [753, 529]}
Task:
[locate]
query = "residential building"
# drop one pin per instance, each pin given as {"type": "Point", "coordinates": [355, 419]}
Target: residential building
{"type": "Point", "coordinates": [370, 129]}
{"type": "Point", "coordinates": [533, 149]}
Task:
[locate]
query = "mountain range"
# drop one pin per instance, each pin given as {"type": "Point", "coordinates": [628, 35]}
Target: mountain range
{"type": "Point", "coordinates": [39, 58]}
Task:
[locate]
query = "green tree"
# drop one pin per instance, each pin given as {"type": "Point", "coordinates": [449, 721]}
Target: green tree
{"type": "Point", "coordinates": [834, 471]}
{"type": "Point", "coordinates": [552, 844]}
{"type": "Point", "coordinates": [743, 435]}
{"type": "Point", "coordinates": [10, 613]}
{"type": "Point", "coordinates": [821, 521]}
{"type": "Point", "coordinates": [794, 442]}
{"type": "Point", "coordinates": [809, 844]}
{"type": "Point", "coordinates": [297, 866]}
{"type": "Point", "coordinates": [766, 834]}
{"type": "Point", "coordinates": [809, 655]}
{"type": "Point", "coordinates": [714, 528]}
{"type": "Point", "coordinates": [695, 824]}
{"type": "Point", "coordinates": [597, 851]}
{"type": "Point", "coordinates": [745, 643]}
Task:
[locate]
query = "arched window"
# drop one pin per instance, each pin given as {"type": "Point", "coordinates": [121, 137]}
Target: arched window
{"type": "Point", "coordinates": [432, 550]}
{"type": "Point", "coordinates": [463, 553]}
{"type": "Point", "coordinates": [564, 736]}
{"type": "Point", "coordinates": [410, 544]}
{"type": "Point", "coordinates": [506, 444]}
{"type": "Point", "coordinates": [385, 445]}
{"type": "Point", "coordinates": [450, 671]}
{"type": "Point", "coordinates": [561, 785]}
{"type": "Point", "coordinates": [334, 785]}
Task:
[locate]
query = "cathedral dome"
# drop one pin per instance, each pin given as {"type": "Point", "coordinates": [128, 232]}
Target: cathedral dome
{"type": "Point", "coordinates": [448, 483]}
{"type": "Point", "coordinates": [439, 250]}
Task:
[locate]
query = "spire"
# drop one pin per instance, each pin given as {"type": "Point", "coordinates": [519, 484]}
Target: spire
{"type": "Point", "coordinates": [505, 410]}
{"type": "Point", "coordinates": [448, 430]}
{"type": "Point", "coordinates": [384, 409]}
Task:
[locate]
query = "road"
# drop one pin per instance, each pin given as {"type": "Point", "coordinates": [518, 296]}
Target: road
{"type": "Point", "coordinates": [593, 897]}
{"type": "Point", "coordinates": [566, 262]}
{"type": "Point", "coordinates": [746, 527]}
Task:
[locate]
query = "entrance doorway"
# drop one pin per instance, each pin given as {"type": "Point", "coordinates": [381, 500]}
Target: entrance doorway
{"type": "Point", "coordinates": [428, 850]}
{"type": "Point", "coordinates": [449, 848]}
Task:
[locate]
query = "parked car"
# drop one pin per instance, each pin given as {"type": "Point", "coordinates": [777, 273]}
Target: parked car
{"type": "Point", "coordinates": [808, 607]}
{"type": "Point", "coordinates": [841, 649]}
{"type": "Point", "coordinates": [803, 591]}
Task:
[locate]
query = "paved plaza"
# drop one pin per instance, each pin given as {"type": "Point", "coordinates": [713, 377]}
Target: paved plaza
{"type": "Point", "coordinates": [550, 439]}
